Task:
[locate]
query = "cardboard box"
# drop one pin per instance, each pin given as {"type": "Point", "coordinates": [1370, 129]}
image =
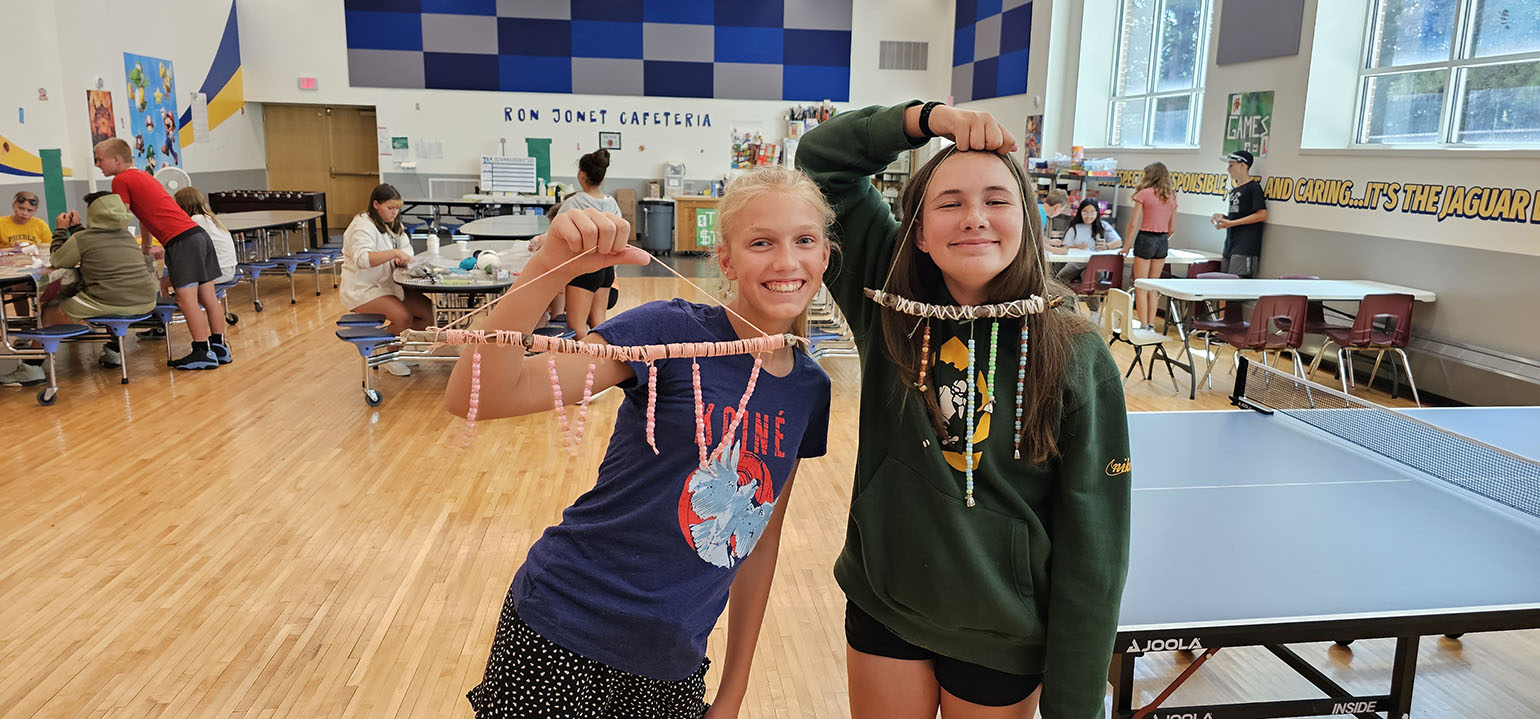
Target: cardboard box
{"type": "Point", "coordinates": [627, 201]}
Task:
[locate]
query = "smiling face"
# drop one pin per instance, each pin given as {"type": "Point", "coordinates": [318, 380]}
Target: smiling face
{"type": "Point", "coordinates": [971, 222]}
{"type": "Point", "coordinates": [1089, 213]}
{"type": "Point", "coordinates": [776, 253]}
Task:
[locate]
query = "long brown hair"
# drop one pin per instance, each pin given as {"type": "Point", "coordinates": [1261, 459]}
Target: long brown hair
{"type": "Point", "coordinates": [916, 276]}
{"type": "Point", "coordinates": [383, 193]}
{"type": "Point", "coordinates": [193, 202]}
{"type": "Point", "coordinates": [1158, 177]}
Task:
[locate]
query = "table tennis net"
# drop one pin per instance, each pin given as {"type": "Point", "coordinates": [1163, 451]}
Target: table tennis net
{"type": "Point", "coordinates": [1492, 472]}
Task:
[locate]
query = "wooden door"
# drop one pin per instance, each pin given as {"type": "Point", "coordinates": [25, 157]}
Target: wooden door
{"type": "Point", "coordinates": [355, 161]}
{"type": "Point", "coordinates": [321, 148]}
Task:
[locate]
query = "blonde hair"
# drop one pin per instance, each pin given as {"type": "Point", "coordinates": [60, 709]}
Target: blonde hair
{"type": "Point", "coordinates": [760, 182]}
{"type": "Point", "coordinates": [115, 147]}
{"type": "Point", "coordinates": [1056, 197]}
{"type": "Point", "coordinates": [193, 202]}
{"type": "Point", "coordinates": [1158, 178]}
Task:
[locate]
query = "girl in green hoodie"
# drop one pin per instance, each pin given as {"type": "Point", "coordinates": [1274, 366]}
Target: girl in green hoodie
{"type": "Point", "coordinates": [988, 538]}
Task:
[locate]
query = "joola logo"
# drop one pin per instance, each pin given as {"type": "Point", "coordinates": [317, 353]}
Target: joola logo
{"type": "Point", "coordinates": [1188, 715]}
{"type": "Point", "coordinates": [1118, 466]}
{"type": "Point", "coordinates": [1354, 707]}
{"type": "Point", "coordinates": [1164, 645]}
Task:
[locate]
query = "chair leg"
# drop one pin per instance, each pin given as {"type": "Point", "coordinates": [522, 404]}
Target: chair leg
{"type": "Point", "coordinates": [1315, 362]}
{"type": "Point", "coordinates": [1376, 371]}
{"type": "Point", "coordinates": [1409, 381]}
{"type": "Point", "coordinates": [1138, 361]}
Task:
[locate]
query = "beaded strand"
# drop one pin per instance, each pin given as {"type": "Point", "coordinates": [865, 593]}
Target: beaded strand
{"type": "Point", "coordinates": [700, 412]}
{"type": "Point", "coordinates": [652, 406]}
{"type": "Point", "coordinates": [1021, 385]}
{"type": "Point", "coordinates": [989, 379]}
{"type": "Point", "coordinates": [588, 393]}
{"type": "Point", "coordinates": [972, 385]}
{"type": "Point", "coordinates": [924, 355]}
{"type": "Point", "coordinates": [732, 429]}
{"type": "Point", "coordinates": [561, 407]}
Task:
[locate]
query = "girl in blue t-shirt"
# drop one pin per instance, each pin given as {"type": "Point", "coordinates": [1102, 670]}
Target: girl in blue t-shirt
{"type": "Point", "coordinates": [610, 612]}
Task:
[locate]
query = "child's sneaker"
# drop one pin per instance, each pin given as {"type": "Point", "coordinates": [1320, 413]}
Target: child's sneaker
{"type": "Point", "coordinates": [110, 359]}
{"type": "Point", "coordinates": [197, 360]}
{"type": "Point", "coordinates": [221, 353]}
{"type": "Point", "coordinates": [397, 368]}
{"type": "Point", "coordinates": [153, 333]}
{"type": "Point", "coordinates": [25, 375]}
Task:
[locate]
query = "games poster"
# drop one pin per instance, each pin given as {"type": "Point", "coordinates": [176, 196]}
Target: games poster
{"type": "Point", "coordinates": [1249, 122]}
{"type": "Point", "coordinates": [103, 122]}
{"type": "Point", "coordinates": [152, 115]}
{"type": "Point", "coordinates": [1034, 137]}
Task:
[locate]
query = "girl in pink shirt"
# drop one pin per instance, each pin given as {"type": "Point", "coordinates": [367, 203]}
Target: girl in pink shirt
{"type": "Point", "coordinates": [1154, 219]}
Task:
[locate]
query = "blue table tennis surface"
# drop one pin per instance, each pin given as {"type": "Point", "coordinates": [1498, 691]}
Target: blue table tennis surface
{"type": "Point", "coordinates": [1245, 518]}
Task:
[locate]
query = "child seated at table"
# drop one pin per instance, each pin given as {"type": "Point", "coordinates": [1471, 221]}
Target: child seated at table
{"type": "Point", "coordinates": [374, 244]}
{"type": "Point", "coordinates": [114, 280]}
{"type": "Point", "coordinates": [1087, 231]}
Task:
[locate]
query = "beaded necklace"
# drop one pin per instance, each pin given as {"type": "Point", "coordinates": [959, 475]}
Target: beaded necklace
{"type": "Point", "coordinates": [970, 313]}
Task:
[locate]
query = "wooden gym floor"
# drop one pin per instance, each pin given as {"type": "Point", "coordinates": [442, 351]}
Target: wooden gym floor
{"type": "Point", "coordinates": [256, 542]}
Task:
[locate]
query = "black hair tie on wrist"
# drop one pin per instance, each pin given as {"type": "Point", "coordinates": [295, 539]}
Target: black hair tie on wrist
{"type": "Point", "coordinates": [925, 118]}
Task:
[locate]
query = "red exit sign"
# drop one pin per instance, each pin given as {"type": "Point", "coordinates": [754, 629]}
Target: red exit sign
{"type": "Point", "coordinates": [307, 83]}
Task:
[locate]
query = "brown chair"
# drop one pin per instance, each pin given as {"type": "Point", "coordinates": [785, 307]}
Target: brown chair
{"type": "Point", "coordinates": [1265, 334]}
{"type": "Point", "coordinates": [1102, 272]}
{"type": "Point", "coordinates": [1364, 335]}
{"type": "Point", "coordinates": [1315, 312]}
{"type": "Point", "coordinates": [1207, 320]}
{"type": "Point", "coordinates": [1196, 269]}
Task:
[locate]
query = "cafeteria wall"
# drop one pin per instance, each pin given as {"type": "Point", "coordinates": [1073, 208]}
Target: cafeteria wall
{"type": "Point", "coordinates": [1482, 270]}
{"type": "Point", "coordinates": [65, 46]}
{"type": "Point", "coordinates": [287, 39]}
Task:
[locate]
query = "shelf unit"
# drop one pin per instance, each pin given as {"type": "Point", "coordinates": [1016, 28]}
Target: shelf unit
{"type": "Point", "coordinates": [1089, 186]}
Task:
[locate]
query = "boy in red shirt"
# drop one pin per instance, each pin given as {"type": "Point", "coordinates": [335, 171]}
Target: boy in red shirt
{"type": "Point", "coordinates": [190, 259]}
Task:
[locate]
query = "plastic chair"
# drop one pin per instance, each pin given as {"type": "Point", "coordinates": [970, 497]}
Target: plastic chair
{"type": "Point", "coordinates": [1315, 312]}
{"type": "Point", "coordinates": [1102, 272]}
{"type": "Point", "coordinates": [50, 337]}
{"type": "Point", "coordinates": [1118, 321]}
{"type": "Point", "coordinates": [253, 272]}
{"type": "Point", "coordinates": [1265, 334]}
{"type": "Point", "coordinates": [361, 319]}
{"type": "Point", "coordinates": [1196, 269]}
{"type": "Point", "coordinates": [1363, 335]}
{"type": "Point", "coordinates": [366, 340]}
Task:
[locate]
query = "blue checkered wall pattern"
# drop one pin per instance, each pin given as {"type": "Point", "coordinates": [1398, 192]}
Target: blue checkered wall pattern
{"type": "Point", "coordinates": [738, 49]}
{"type": "Point", "coordinates": [989, 48]}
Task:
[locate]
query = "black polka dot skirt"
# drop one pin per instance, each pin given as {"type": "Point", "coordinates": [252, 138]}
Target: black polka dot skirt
{"type": "Point", "coordinates": [529, 677]}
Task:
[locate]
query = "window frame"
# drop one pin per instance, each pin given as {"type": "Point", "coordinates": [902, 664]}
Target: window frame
{"type": "Point", "coordinates": [1461, 44]}
{"type": "Point", "coordinates": [1150, 96]}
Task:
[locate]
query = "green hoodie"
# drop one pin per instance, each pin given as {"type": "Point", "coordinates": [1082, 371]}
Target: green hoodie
{"type": "Point", "coordinates": [974, 583]}
{"type": "Point", "coordinates": [112, 267]}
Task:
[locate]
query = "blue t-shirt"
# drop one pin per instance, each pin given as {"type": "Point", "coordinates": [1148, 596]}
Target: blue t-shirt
{"type": "Point", "coordinates": [637, 572]}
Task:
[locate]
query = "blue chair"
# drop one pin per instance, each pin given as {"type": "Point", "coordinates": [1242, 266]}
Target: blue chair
{"type": "Point", "coordinates": [118, 326]}
{"type": "Point", "coordinates": [361, 319]}
{"type": "Point", "coordinates": [253, 272]}
{"type": "Point", "coordinates": [290, 265]}
{"type": "Point", "coordinates": [222, 290]}
{"type": "Point", "coordinates": [366, 340]}
{"type": "Point", "coordinates": [50, 337]}
{"type": "Point", "coordinates": [318, 259]}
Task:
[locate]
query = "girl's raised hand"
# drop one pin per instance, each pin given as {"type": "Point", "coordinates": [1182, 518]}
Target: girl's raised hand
{"type": "Point", "coordinates": [971, 129]}
{"type": "Point", "coordinates": [575, 232]}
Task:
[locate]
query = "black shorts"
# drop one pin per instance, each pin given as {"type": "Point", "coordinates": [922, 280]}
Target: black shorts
{"type": "Point", "coordinates": [968, 682]}
{"type": "Point", "coordinates": [1151, 245]}
{"type": "Point", "coordinates": [594, 281]}
{"type": "Point", "coordinates": [190, 259]}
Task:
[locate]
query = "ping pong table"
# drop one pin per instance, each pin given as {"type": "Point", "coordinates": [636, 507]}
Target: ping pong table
{"type": "Point", "coordinates": [1332, 519]}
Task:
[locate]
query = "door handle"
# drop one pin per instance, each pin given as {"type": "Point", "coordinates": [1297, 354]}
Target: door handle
{"type": "Point", "coordinates": [347, 173]}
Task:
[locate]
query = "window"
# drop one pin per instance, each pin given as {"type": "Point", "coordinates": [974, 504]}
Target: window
{"type": "Point", "coordinates": [1451, 72]}
{"type": "Point", "coordinates": [1157, 80]}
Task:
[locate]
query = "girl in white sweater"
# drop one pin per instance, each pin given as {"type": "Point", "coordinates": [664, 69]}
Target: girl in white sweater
{"type": "Point", "coordinates": [374, 245]}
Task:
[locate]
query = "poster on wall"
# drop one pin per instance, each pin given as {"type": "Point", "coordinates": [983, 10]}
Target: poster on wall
{"type": "Point", "coordinates": [1248, 122]}
{"type": "Point", "coordinates": [1034, 138]}
{"type": "Point", "coordinates": [152, 115]}
{"type": "Point", "coordinates": [103, 122]}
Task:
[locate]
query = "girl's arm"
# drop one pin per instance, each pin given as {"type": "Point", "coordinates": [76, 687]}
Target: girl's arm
{"type": "Point", "coordinates": [1110, 235]}
{"type": "Point", "coordinates": [358, 244]}
{"type": "Point", "coordinates": [1134, 218]}
{"type": "Point", "coordinates": [513, 387]}
{"type": "Point", "coordinates": [746, 611]}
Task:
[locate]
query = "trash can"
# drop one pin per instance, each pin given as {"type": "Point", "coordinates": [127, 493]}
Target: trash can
{"type": "Point", "coordinates": [657, 234]}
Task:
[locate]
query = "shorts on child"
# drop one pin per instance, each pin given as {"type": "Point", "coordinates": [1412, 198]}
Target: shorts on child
{"type": "Point", "coordinates": [1241, 265]}
{"type": "Point", "coordinates": [1152, 245]}
{"type": "Point", "coordinates": [594, 281]}
{"type": "Point", "coordinates": [530, 676]}
{"type": "Point", "coordinates": [190, 259]}
{"type": "Point", "coordinates": [968, 682]}
{"type": "Point", "coordinates": [82, 305]}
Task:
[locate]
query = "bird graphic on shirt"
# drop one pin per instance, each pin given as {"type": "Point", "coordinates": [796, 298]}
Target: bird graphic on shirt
{"type": "Point", "coordinates": [732, 517]}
